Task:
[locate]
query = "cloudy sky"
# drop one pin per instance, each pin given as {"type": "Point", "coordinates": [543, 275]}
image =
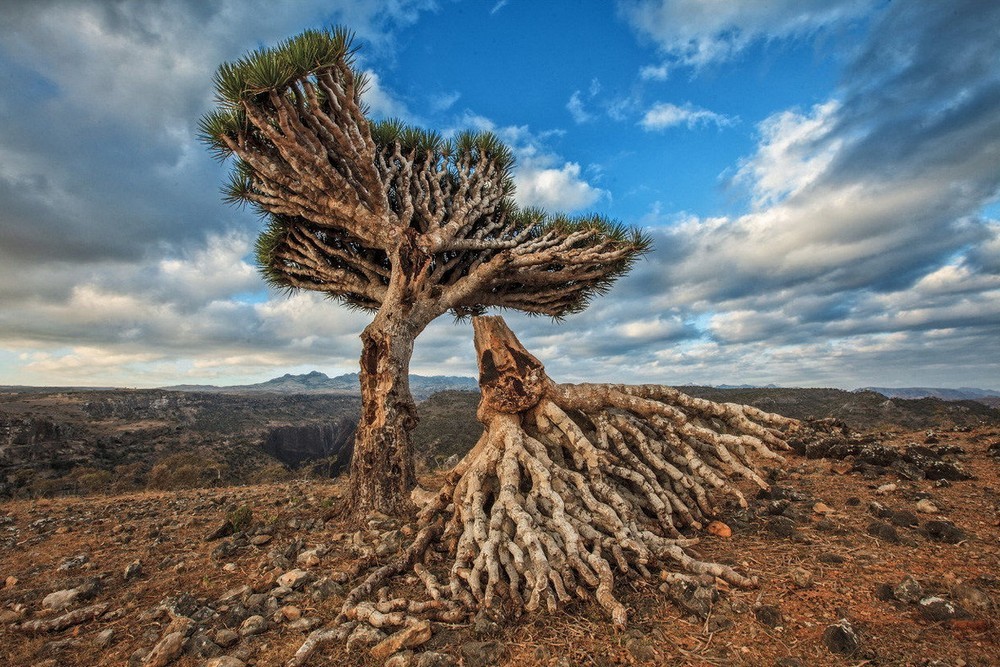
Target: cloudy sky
{"type": "Point", "coordinates": [821, 179]}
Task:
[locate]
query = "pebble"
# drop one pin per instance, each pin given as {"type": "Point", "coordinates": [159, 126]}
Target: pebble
{"type": "Point", "coordinates": [291, 612]}
{"type": "Point", "coordinates": [166, 650]}
{"type": "Point", "coordinates": [260, 540]}
{"type": "Point", "coordinates": [226, 637]}
{"type": "Point", "coordinates": [944, 531]}
{"type": "Point", "coordinates": [939, 609]}
{"type": "Point", "coordinates": [883, 531]}
{"type": "Point", "coordinates": [104, 638]}
{"type": "Point", "coordinates": [10, 582]}
{"type": "Point", "coordinates": [769, 615]}
{"type": "Point", "coordinates": [883, 490]}
{"type": "Point", "coordinates": [435, 659]}
{"type": "Point", "coordinates": [927, 507]}
{"type": "Point", "coordinates": [401, 659]}
{"type": "Point", "coordinates": [719, 529]}
{"type": "Point", "coordinates": [781, 526]}
{"type": "Point", "coordinates": [310, 558]}
{"type": "Point", "coordinates": [294, 578]}
{"type": "Point", "coordinates": [305, 624]}
{"type": "Point", "coordinates": [801, 577]}
{"type": "Point", "coordinates": [254, 625]}
{"type": "Point", "coordinates": [841, 638]}
{"type": "Point", "coordinates": [61, 599]}
{"type": "Point", "coordinates": [909, 590]}
{"type": "Point", "coordinates": [133, 570]}
{"type": "Point", "coordinates": [822, 508]}
{"type": "Point", "coordinates": [225, 661]}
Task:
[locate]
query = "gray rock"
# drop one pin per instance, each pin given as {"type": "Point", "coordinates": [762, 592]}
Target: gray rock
{"type": "Point", "coordinates": [105, 638]}
{"type": "Point", "coordinates": [781, 526]}
{"type": "Point", "coordinates": [944, 531]}
{"type": "Point", "coordinates": [226, 637]}
{"type": "Point", "coordinates": [74, 562]}
{"type": "Point", "coordinates": [166, 650]}
{"type": "Point", "coordinates": [939, 609]}
{"type": "Point", "coordinates": [254, 625]}
{"type": "Point", "coordinates": [801, 577]}
{"type": "Point", "coordinates": [909, 590]}
{"type": "Point", "coordinates": [225, 661]}
{"type": "Point", "coordinates": [135, 660]}
{"type": "Point", "coordinates": [60, 600]}
{"type": "Point", "coordinates": [841, 638]}
{"type": "Point", "coordinates": [691, 598]}
{"type": "Point", "coordinates": [238, 593]}
{"type": "Point", "coordinates": [295, 579]}
{"type": "Point", "coordinates": [640, 649]}
{"type": "Point", "coordinates": [883, 531]}
{"type": "Point", "coordinates": [435, 659]}
{"type": "Point", "coordinates": [401, 659]}
{"type": "Point", "coordinates": [201, 645]}
{"type": "Point", "coordinates": [133, 570]}
{"type": "Point", "coordinates": [973, 597]}
{"type": "Point", "coordinates": [305, 624]}
{"type": "Point", "coordinates": [324, 588]}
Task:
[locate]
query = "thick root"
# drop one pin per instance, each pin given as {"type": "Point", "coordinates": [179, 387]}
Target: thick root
{"type": "Point", "coordinates": [569, 487]}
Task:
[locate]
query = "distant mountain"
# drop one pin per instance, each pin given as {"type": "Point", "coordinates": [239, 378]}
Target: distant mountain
{"type": "Point", "coordinates": [421, 386]}
{"type": "Point", "coordinates": [960, 394]}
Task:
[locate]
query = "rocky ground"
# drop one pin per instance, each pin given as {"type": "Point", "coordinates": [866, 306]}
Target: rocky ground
{"type": "Point", "coordinates": [862, 559]}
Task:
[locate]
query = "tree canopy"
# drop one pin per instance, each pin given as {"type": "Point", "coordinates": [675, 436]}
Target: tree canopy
{"type": "Point", "coordinates": [348, 200]}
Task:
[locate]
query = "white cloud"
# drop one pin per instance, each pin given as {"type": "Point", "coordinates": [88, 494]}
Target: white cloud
{"type": "Point", "coordinates": [663, 115]}
{"type": "Point", "coordinates": [576, 108]}
{"type": "Point", "coordinates": [444, 101]}
{"type": "Point", "coordinates": [793, 153]}
{"type": "Point", "coordinates": [554, 188]}
{"type": "Point", "coordinates": [654, 72]}
{"type": "Point", "coordinates": [541, 177]}
{"type": "Point", "coordinates": [381, 102]}
{"type": "Point", "coordinates": [696, 33]}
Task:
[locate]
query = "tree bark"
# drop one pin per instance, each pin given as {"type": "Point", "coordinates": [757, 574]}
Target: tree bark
{"type": "Point", "coordinates": [382, 464]}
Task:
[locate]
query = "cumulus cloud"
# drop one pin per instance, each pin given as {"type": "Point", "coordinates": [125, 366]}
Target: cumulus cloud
{"type": "Point", "coordinates": [541, 177]}
{"type": "Point", "coordinates": [554, 188]}
{"type": "Point", "coordinates": [695, 33]}
{"type": "Point", "coordinates": [663, 115]}
{"type": "Point", "coordinates": [866, 227]}
{"type": "Point", "coordinates": [865, 249]}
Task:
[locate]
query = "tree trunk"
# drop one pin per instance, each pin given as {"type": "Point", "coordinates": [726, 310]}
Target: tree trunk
{"type": "Point", "coordinates": [382, 465]}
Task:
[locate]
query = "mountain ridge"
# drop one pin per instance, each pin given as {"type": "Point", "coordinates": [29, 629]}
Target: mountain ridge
{"type": "Point", "coordinates": [316, 382]}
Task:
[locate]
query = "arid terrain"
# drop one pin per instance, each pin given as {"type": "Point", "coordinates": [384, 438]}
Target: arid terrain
{"type": "Point", "coordinates": [877, 549]}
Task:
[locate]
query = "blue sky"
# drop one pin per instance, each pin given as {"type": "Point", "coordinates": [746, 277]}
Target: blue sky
{"type": "Point", "coordinates": [820, 178]}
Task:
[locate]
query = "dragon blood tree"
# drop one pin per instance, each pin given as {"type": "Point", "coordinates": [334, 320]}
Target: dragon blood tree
{"type": "Point", "coordinates": [393, 220]}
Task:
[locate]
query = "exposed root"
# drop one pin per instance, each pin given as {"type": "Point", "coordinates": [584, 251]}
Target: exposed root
{"type": "Point", "coordinates": [570, 487]}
